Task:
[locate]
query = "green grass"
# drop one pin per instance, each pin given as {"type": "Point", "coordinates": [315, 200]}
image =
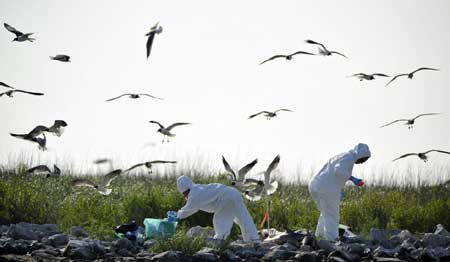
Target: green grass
{"type": "Point", "coordinates": [53, 200]}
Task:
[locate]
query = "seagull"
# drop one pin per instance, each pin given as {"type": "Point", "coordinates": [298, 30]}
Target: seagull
{"type": "Point", "coordinates": [362, 76]}
{"type": "Point", "coordinates": [20, 37]}
{"type": "Point", "coordinates": [268, 187]}
{"type": "Point", "coordinates": [5, 85]}
{"type": "Point", "coordinates": [44, 170]}
{"type": "Point", "coordinates": [269, 114]}
{"type": "Point", "coordinates": [149, 164]}
{"type": "Point", "coordinates": [32, 134]}
{"type": "Point", "coordinates": [423, 155]}
{"type": "Point", "coordinates": [166, 130]}
{"type": "Point", "coordinates": [151, 35]}
{"type": "Point", "coordinates": [62, 58]}
{"type": "Point", "coordinates": [323, 50]}
{"type": "Point", "coordinates": [134, 96]}
{"type": "Point", "coordinates": [410, 122]}
{"type": "Point", "coordinates": [57, 128]}
{"type": "Point", "coordinates": [10, 93]}
{"type": "Point", "coordinates": [102, 188]}
{"type": "Point", "coordinates": [288, 57]}
{"type": "Point", "coordinates": [237, 180]}
{"type": "Point", "coordinates": [411, 75]}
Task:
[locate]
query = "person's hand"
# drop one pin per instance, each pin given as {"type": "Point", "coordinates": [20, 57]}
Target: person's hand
{"type": "Point", "coordinates": [172, 216]}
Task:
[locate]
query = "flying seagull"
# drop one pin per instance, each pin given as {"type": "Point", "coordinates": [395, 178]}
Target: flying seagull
{"type": "Point", "coordinates": [151, 35]}
{"type": "Point", "coordinates": [62, 58]}
{"type": "Point", "coordinates": [20, 37]}
{"type": "Point", "coordinates": [32, 134]}
{"type": "Point", "coordinates": [269, 114]}
{"type": "Point", "coordinates": [11, 92]}
{"type": "Point", "coordinates": [57, 128]}
{"type": "Point", "coordinates": [103, 187]}
{"type": "Point", "coordinates": [362, 76]}
{"type": "Point", "coordinates": [134, 96]}
{"type": "Point", "coordinates": [237, 180]}
{"type": "Point", "coordinates": [5, 85]}
{"type": "Point", "coordinates": [166, 130]}
{"type": "Point", "coordinates": [410, 122]}
{"type": "Point", "coordinates": [411, 75]}
{"type": "Point", "coordinates": [423, 155]}
{"type": "Point", "coordinates": [265, 186]}
{"type": "Point", "coordinates": [44, 170]}
{"type": "Point", "coordinates": [323, 50]}
{"type": "Point", "coordinates": [149, 164]}
{"type": "Point", "coordinates": [288, 57]}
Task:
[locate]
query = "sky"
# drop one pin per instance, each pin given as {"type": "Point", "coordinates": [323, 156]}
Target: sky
{"type": "Point", "coordinates": [205, 64]}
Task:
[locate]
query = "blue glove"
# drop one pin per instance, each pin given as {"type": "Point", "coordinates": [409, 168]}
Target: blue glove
{"type": "Point", "coordinates": [172, 216]}
{"type": "Point", "coordinates": [357, 181]}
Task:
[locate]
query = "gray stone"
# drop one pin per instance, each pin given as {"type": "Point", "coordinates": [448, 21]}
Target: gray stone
{"type": "Point", "coordinates": [244, 250]}
{"type": "Point", "coordinates": [379, 235]}
{"type": "Point", "coordinates": [79, 249]}
{"type": "Point", "coordinates": [3, 229]}
{"type": "Point", "coordinates": [200, 232]}
{"type": "Point", "coordinates": [335, 259]}
{"type": "Point", "coordinates": [44, 230]}
{"type": "Point", "coordinates": [168, 256]}
{"type": "Point", "coordinates": [228, 255]}
{"type": "Point", "coordinates": [305, 249]}
{"type": "Point", "coordinates": [326, 245]}
{"type": "Point", "coordinates": [149, 243]}
{"type": "Point", "coordinates": [58, 240]}
{"type": "Point", "coordinates": [17, 231]}
{"type": "Point", "coordinates": [440, 252]}
{"type": "Point", "coordinates": [206, 255]}
{"type": "Point", "coordinates": [434, 240]}
{"type": "Point", "coordinates": [41, 255]}
{"type": "Point", "coordinates": [388, 259]}
{"type": "Point", "coordinates": [341, 254]}
{"type": "Point", "coordinates": [385, 252]}
{"type": "Point", "coordinates": [15, 258]}
{"type": "Point", "coordinates": [440, 230]}
{"type": "Point", "coordinates": [356, 248]}
{"type": "Point", "coordinates": [79, 232]}
{"type": "Point", "coordinates": [278, 254]}
{"type": "Point", "coordinates": [124, 253]}
{"type": "Point", "coordinates": [123, 243]}
{"type": "Point", "coordinates": [306, 257]}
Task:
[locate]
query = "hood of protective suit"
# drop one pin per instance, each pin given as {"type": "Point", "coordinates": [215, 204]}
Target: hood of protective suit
{"type": "Point", "coordinates": [184, 183]}
{"type": "Point", "coordinates": [361, 151]}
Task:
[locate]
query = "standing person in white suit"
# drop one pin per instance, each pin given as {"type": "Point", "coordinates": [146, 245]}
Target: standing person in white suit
{"type": "Point", "coordinates": [225, 202]}
{"type": "Point", "coordinates": [325, 188]}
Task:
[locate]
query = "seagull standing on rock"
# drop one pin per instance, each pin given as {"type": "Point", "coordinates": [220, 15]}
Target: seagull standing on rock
{"type": "Point", "coordinates": [20, 37]}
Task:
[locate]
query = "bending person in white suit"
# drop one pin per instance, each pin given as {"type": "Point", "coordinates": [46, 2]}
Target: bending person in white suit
{"type": "Point", "coordinates": [325, 188]}
{"type": "Point", "coordinates": [225, 202]}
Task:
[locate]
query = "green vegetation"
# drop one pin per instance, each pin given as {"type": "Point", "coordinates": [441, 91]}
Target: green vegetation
{"type": "Point", "coordinates": [53, 200]}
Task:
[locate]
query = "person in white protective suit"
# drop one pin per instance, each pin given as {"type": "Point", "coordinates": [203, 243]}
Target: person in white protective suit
{"type": "Point", "coordinates": [225, 202]}
{"type": "Point", "coordinates": [325, 188]}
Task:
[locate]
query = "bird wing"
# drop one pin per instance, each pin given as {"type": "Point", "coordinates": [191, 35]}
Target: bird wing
{"type": "Point", "coordinates": [427, 114]}
{"type": "Point", "coordinates": [5, 85]}
{"type": "Point", "coordinates": [83, 182]}
{"type": "Point", "coordinates": [435, 150]}
{"type": "Point", "coordinates": [40, 169]}
{"type": "Point", "coordinates": [156, 122]}
{"type": "Point", "coordinates": [380, 74]}
{"type": "Point", "coordinates": [269, 170]}
{"type": "Point", "coordinates": [20, 136]}
{"type": "Point", "coordinates": [56, 170]}
{"type": "Point", "coordinates": [252, 116]}
{"type": "Point", "coordinates": [102, 161]}
{"type": "Point", "coordinates": [151, 36]}
{"type": "Point", "coordinates": [424, 68]}
{"type": "Point", "coordinates": [358, 74]}
{"type": "Point", "coordinates": [114, 98]}
{"type": "Point", "coordinates": [228, 168]}
{"type": "Point", "coordinates": [1, 94]}
{"type": "Point", "coordinates": [133, 167]}
{"type": "Point", "coordinates": [273, 57]}
{"type": "Point", "coordinates": [28, 92]}
{"type": "Point", "coordinates": [395, 77]}
{"type": "Point", "coordinates": [176, 124]}
{"type": "Point", "coordinates": [12, 30]}
{"type": "Point", "coordinates": [243, 171]}
{"type": "Point", "coordinates": [272, 188]}
{"type": "Point", "coordinates": [108, 178]}
{"type": "Point", "coordinates": [288, 110]}
{"type": "Point", "coordinates": [405, 155]}
{"type": "Point", "coordinates": [301, 52]}
{"type": "Point", "coordinates": [334, 52]}
{"type": "Point", "coordinates": [315, 43]}
{"type": "Point", "coordinates": [161, 162]}
{"type": "Point", "coordinates": [59, 123]}
{"type": "Point", "coordinates": [151, 96]}
{"type": "Point", "coordinates": [395, 121]}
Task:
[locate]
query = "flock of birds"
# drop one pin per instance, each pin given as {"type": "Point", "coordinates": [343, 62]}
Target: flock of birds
{"type": "Point", "coordinates": [253, 189]}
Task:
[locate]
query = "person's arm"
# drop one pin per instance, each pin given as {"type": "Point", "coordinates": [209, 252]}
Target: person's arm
{"type": "Point", "coordinates": [188, 209]}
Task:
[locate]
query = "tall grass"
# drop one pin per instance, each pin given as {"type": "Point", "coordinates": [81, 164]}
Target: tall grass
{"type": "Point", "coordinates": [53, 200]}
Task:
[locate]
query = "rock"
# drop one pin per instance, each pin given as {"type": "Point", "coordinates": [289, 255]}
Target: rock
{"type": "Point", "coordinates": [385, 252]}
{"type": "Point", "coordinates": [206, 254]}
{"type": "Point", "coordinates": [202, 232]}
{"type": "Point", "coordinates": [244, 250]}
{"type": "Point", "coordinates": [168, 256]}
{"type": "Point", "coordinates": [149, 243]}
{"type": "Point", "coordinates": [440, 252]}
{"type": "Point", "coordinates": [326, 245]}
{"type": "Point", "coordinates": [309, 241]}
{"type": "Point", "coordinates": [124, 253]}
{"type": "Point", "coordinates": [79, 249]}
{"type": "Point", "coordinates": [306, 257]}
{"type": "Point", "coordinates": [388, 259]}
{"type": "Point", "coordinates": [341, 254]}
{"type": "Point", "coordinates": [58, 240]}
{"type": "Point", "coordinates": [278, 254]}
{"type": "Point", "coordinates": [123, 243]}
{"type": "Point", "coordinates": [228, 255]}
{"type": "Point", "coordinates": [434, 240]}
{"type": "Point", "coordinates": [379, 235]}
{"type": "Point", "coordinates": [15, 258]}
{"type": "Point", "coordinates": [44, 230]}
{"type": "Point", "coordinates": [356, 248]}
{"type": "Point", "coordinates": [79, 232]}
{"type": "Point", "coordinates": [3, 229]}
{"type": "Point", "coordinates": [440, 230]}
{"type": "Point", "coordinates": [17, 231]}
{"type": "Point", "coordinates": [305, 249]}
{"type": "Point", "coordinates": [335, 259]}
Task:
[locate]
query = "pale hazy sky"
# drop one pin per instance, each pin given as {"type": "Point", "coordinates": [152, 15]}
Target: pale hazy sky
{"type": "Point", "coordinates": [205, 65]}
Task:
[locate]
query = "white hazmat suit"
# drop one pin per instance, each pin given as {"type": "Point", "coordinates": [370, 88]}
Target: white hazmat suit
{"type": "Point", "coordinates": [225, 202]}
{"type": "Point", "coordinates": [325, 188]}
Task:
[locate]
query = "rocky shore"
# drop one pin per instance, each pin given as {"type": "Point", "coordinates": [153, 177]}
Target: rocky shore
{"type": "Point", "coordinates": [32, 242]}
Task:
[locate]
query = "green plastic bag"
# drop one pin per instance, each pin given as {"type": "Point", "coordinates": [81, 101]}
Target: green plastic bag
{"type": "Point", "coordinates": [159, 228]}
